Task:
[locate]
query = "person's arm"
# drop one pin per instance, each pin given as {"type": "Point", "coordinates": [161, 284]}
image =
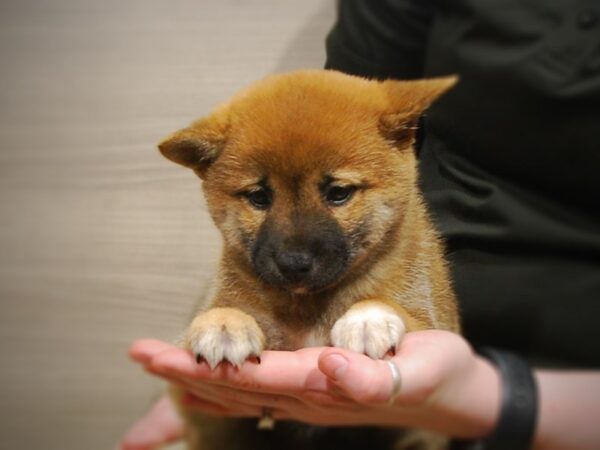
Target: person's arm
{"type": "Point", "coordinates": [568, 411]}
{"type": "Point", "coordinates": [380, 39]}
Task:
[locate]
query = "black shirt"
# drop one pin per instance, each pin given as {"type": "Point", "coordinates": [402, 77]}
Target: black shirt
{"type": "Point", "coordinates": [510, 159]}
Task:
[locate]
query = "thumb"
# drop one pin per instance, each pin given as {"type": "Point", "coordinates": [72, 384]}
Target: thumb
{"type": "Point", "coordinates": [161, 425]}
{"type": "Point", "coordinates": [361, 378]}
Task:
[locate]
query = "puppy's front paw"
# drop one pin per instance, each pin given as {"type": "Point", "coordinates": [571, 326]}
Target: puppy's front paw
{"type": "Point", "coordinates": [369, 327]}
{"type": "Point", "coordinates": [225, 334]}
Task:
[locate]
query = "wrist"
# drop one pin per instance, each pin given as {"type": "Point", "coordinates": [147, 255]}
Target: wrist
{"type": "Point", "coordinates": [476, 399]}
{"type": "Point", "coordinates": [517, 418]}
{"type": "Point", "coordinates": [485, 397]}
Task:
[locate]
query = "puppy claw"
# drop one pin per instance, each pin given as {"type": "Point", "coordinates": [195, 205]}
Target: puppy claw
{"type": "Point", "coordinates": [255, 359]}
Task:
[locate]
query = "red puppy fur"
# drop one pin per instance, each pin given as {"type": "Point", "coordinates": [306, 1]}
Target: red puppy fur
{"type": "Point", "coordinates": [311, 178]}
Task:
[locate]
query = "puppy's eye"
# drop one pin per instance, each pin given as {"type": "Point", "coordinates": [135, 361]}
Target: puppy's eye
{"type": "Point", "coordinates": [259, 198]}
{"type": "Point", "coordinates": [338, 195]}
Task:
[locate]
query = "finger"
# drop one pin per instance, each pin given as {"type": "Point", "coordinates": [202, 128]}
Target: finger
{"type": "Point", "coordinates": [232, 396]}
{"type": "Point", "coordinates": [229, 398]}
{"type": "Point", "coordinates": [204, 391]}
{"type": "Point", "coordinates": [176, 362]}
{"type": "Point", "coordinates": [207, 406]}
{"type": "Point", "coordinates": [234, 409]}
{"type": "Point", "coordinates": [361, 378]}
{"type": "Point", "coordinates": [144, 350]}
{"type": "Point", "coordinates": [179, 364]}
{"type": "Point", "coordinates": [223, 400]}
{"type": "Point", "coordinates": [207, 392]}
{"type": "Point", "coordinates": [279, 372]}
{"type": "Point", "coordinates": [159, 426]}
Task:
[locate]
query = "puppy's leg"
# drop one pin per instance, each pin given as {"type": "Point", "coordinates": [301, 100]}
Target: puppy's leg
{"type": "Point", "coordinates": [372, 327]}
{"type": "Point", "coordinates": [225, 334]}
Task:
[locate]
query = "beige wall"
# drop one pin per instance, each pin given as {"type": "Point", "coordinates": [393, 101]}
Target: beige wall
{"type": "Point", "coordinates": [101, 240]}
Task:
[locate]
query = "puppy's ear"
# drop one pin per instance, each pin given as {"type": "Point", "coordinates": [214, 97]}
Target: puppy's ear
{"type": "Point", "coordinates": [198, 145]}
{"type": "Point", "coordinates": [407, 101]}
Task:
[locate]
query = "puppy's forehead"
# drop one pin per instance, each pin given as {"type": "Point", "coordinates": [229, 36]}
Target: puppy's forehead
{"type": "Point", "coordinates": [304, 123]}
{"type": "Point", "coordinates": [296, 152]}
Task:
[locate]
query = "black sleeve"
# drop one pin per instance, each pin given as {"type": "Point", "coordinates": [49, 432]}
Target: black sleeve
{"type": "Point", "coordinates": [380, 38]}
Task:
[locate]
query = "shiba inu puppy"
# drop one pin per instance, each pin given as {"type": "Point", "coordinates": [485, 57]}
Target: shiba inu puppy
{"type": "Point", "coordinates": [311, 178]}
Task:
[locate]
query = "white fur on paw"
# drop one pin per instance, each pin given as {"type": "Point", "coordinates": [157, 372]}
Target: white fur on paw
{"type": "Point", "coordinates": [372, 330]}
{"type": "Point", "coordinates": [225, 334]}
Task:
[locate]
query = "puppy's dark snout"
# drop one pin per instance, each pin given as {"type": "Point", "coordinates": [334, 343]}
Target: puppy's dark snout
{"type": "Point", "coordinates": [309, 256]}
{"type": "Point", "coordinates": [294, 265]}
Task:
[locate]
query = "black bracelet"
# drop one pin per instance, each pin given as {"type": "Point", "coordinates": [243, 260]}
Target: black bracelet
{"type": "Point", "coordinates": [518, 414]}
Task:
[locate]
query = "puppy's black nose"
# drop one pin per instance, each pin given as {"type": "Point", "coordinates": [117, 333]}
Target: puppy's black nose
{"type": "Point", "coordinates": [294, 265]}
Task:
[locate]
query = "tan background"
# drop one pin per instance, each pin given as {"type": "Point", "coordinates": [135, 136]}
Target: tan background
{"type": "Point", "coordinates": [102, 241]}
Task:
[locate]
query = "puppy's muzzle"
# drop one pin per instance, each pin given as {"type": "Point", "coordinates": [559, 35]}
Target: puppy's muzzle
{"type": "Point", "coordinates": [308, 256]}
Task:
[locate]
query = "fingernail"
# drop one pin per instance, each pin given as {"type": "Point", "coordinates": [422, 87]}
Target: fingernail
{"type": "Point", "coordinates": [336, 364]}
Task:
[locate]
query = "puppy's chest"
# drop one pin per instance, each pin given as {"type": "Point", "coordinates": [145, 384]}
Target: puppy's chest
{"type": "Point", "coordinates": [318, 336]}
{"type": "Point", "coordinates": [301, 328]}
{"type": "Point", "coordinates": [288, 337]}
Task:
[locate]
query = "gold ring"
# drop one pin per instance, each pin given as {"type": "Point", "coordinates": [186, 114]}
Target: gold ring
{"type": "Point", "coordinates": [266, 421]}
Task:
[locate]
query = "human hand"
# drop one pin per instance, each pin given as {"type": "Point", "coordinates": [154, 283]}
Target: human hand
{"type": "Point", "coordinates": [445, 387]}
